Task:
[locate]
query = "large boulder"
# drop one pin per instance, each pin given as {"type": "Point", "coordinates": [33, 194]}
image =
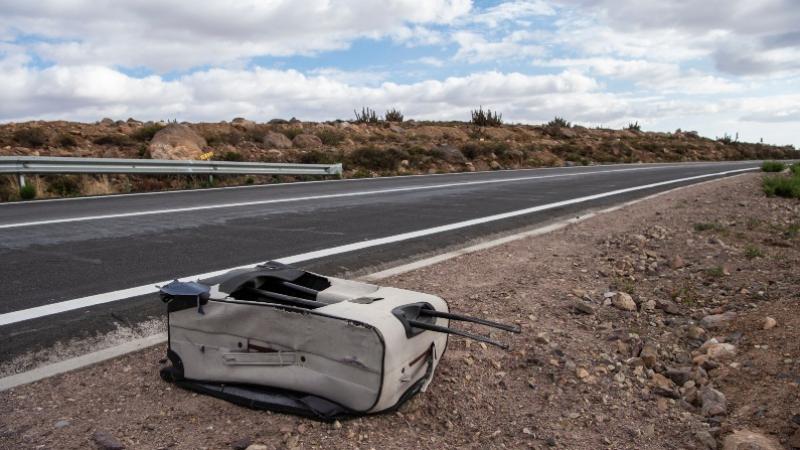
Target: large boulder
{"type": "Point", "coordinates": [243, 123]}
{"type": "Point", "coordinates": [307, 141]}
{"type": "Point", "coordinates": [277, 140]}
{"type": "Point", "coordinates": [176, 141]}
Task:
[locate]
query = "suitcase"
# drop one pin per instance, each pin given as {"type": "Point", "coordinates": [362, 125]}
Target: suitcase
{"type": "Point", "coordinates": [279, 338]}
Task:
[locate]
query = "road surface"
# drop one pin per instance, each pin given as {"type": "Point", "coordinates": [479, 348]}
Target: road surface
{"type": "Point", "coordinates": [59, 256]}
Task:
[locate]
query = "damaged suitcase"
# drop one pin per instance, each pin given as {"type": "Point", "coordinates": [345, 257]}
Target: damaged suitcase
{"type": "Point", "coordinates": [279, 338]}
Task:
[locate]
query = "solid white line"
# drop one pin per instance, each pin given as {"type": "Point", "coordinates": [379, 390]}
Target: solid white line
{"type": "Point", "coordinates": [310, 197]}
{"type": "Point", "coordinates": [84, 302]}
{"type": "Point", "coordinates": [159, 338]}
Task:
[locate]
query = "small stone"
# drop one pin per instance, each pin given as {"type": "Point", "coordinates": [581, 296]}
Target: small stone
{"type": "Point", "coordinates": [713, 402]}
{"type": "Point", "coordinates": [106, 442]}
{"type": "Point", "coordinates": [62, 424]}
{"type": "Point", "coordinates": [748, 440]}
{"type": "Point", "coordinates": [770, 323]}
{"type": "Point", "coordinates": [706, 439]}
{"type": "Point", "coordinates": [581, 373]}
{"type": "Point", "coordinates": [695, 332]}
{"type": "Point", "coordinates": [677, 262]}
{"type": "Point", "coordinates": [721, 351]}
{"type": "Point", "coordinates": [679, 375]}
{"type": "Point", "coordinates": [241, 444]}
{"type": "Point", "coordinates": [794, 441]}
{"type": "Point", "coordinates": [256, 447]}
{"type": "Point", "coordinates": [649, 305]}
{"type": "Point", "coordinates": [714, 321]}
{"type": "Point", "coordinates": [623, 301]}
{"type": "Point", "coordinates": [582, 308]}
{"type": "Point", "coordinates": [649, 355]}
{"type": "Point", "coordinates": [337, 425]}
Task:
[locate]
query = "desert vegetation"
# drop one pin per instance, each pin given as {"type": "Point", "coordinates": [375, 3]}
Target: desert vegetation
{"type": "Point", "coordinates": [369, 146]}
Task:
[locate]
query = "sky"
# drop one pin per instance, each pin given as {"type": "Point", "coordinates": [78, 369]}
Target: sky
{"type": "Point", "coordinates": [717, 66]}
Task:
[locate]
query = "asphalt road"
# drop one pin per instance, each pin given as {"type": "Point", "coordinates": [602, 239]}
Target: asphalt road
{"type": "Point", "coordinates": [53, 251]}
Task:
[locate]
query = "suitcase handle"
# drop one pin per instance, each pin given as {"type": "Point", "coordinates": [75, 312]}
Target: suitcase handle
{"type": "Point", "coordinates": [272, 359]}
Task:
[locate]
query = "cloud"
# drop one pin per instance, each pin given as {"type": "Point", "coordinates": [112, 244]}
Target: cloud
{"type": "Point", "coordinates": [511, 12]}
{"type": "Point", "coordinates": [177, 35]}
{"type": "Point", "coordinates": [474, 48]}
{"type": "Point", "coordinates": [89, 91]}
{"type": "Point", "coordinates": [743, 37]}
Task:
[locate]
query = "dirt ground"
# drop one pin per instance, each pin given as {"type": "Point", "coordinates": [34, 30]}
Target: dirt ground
{"type": "Point", "coordinates": [594, 368]}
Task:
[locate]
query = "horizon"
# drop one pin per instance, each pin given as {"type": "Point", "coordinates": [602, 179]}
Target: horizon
{"type": "Point", "coordinates": [720, 68]}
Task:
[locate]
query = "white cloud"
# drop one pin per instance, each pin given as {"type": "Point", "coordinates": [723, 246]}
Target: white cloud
{"type": "Point", "coordinates": [741, 36]}
{"type": "Point", "coordinates": [473, 47]}
{"type": "Point", "coordinates": [512, 11]}
{"type": "Point", "coordinates": [88, 92]}
{"type": "Point", "coordinates": [182, 34]}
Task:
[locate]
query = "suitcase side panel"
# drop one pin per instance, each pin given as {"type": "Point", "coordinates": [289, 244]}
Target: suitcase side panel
{"type": "Point", "coordinates": [259, 344]}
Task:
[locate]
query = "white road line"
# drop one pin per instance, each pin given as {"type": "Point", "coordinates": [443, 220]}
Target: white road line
{"type": "Point", "coordinates": [310, 197]}
{"type": "Point", "coordinates": [92, 300]}
{"type": "Point", "coordinates": [78, 362]}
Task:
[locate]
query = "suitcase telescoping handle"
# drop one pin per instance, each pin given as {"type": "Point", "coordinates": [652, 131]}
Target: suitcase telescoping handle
{"type": "Point", "coordinates": [417, 317]}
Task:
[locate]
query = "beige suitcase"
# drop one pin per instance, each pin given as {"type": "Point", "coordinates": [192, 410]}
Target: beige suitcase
{"type": "Point", "coordinates": [279, 338]}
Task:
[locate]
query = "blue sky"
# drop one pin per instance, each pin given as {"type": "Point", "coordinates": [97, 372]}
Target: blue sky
{"type": "Point", "coordinates": [720, 66]}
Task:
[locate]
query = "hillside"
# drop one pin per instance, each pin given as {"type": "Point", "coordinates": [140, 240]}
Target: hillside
{"type": "Point", "coordinates": [366, 149]}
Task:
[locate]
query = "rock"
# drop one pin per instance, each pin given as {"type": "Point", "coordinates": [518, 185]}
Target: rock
{"type": "Point", "coordinates": [62, 424]}
{"type": "Point", "coordinates": [679, 375]}
{"type": "Point", "coordinates": [307, 141]}
{"type": "Point", "coordinates": [106, 122]}
{"type": "Point", "coordinates": [450, 154]}
{"type": "Point", "coordinates": [582, 307]}
{"type": "Point", "coordinates": [676, 262]}
{"type": "Point", "coordinates": [581, 373]}
{"type": "Point", "coordinates": [176, 141]}
{"type": "Point", "coordinates": [714, 321]}
{"type": "Point", "coordinates": [748, 440]}
{"type": "Point", "coordinates": [337, 425]}
{"type": "Point", "coordinates": [494, 165]}
{"type": "Point", "coordinates": [241, 444]}
{"type": "Point", "coordinates": [668, 307]}
{"type": "Point", "coordinates": [794, 441]}
{"type": "Point", "coordinates": [713, 402]}
{"type": "Point", "coordinates": [706, 439]}
{"type": "Point", "coordinates": [649, 305]}
{"type": "Point", "coordinates": [721, 351]}
{"type": "Point", "coordinates": [769, 323]}
{"type": "Point", "coordinates": [106, 442]}
{"type": "Point", "coordinates": [276, 140]}
{"type": "Point", "coordinates": [695, 332]}
{"type": "Point", "coordinates": [243, 123]}
{"type": "Point", "coordinates": [649, 355]}
{"type": "Point", "coordinates": [256, 447]}
{"type": "Point", "coordinates": [661, 381]}
{"type": "Point", "coordinates": [623, 301]}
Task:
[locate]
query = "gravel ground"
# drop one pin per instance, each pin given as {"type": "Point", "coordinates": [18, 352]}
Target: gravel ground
{"type": "Point", "coordinates": [644, 329]}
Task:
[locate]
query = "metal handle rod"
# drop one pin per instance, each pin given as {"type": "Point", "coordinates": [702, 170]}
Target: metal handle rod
{"type": "Point", "coordinates": [477, 337]}
{"type": "Point", "coordinates": [302, 289]}
{"type": "Point", "coordinates": [463, 318]}
{"type": "Point", "coordinates": [296, 301]}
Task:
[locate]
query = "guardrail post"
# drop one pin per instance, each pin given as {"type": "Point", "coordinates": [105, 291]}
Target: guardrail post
{"type": "Point", "coordinates": [21, 180]}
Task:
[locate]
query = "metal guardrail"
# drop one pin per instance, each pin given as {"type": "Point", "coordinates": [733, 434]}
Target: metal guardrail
{"type": "Point", "coordinates": [22, 165]}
